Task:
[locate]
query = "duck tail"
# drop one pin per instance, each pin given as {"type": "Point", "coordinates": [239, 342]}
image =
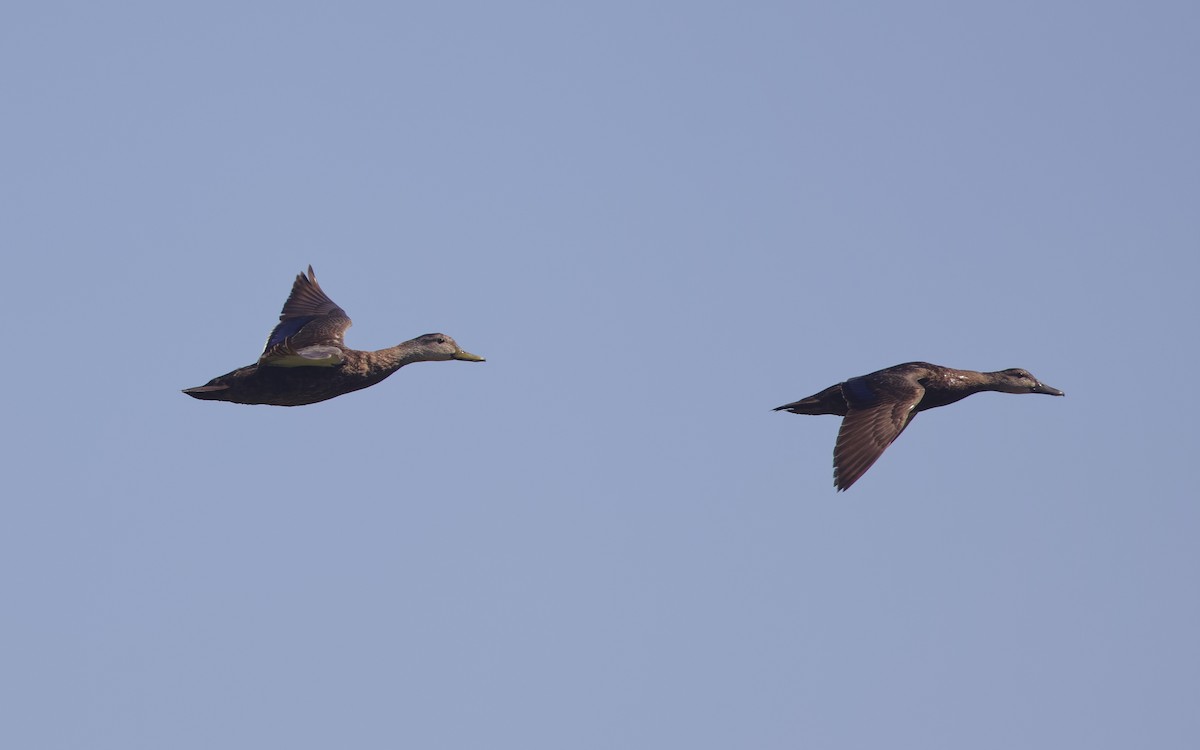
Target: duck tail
{"type": "Point", "coordinates": [828, 401]}
{"type": "Point", "coordinates": [205, 392]}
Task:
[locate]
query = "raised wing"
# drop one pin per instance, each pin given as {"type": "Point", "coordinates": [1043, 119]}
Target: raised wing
{"type": "Point", "coordinates": [310, 330]}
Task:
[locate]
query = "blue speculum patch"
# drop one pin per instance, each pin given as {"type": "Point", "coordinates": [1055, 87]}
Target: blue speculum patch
{"type": "Point", "coordinates": [289, 327]}
{"type": "Point", "coordinates": [857, 391]}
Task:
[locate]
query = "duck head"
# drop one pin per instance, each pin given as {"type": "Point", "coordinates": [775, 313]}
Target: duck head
{"type": "Point", "coordinates": [438, 347]}
{"type": "Point", "coordinates": [1017, 380]}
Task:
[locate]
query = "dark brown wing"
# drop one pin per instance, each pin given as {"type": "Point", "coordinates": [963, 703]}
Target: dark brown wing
{"type": "Point", "coordinates": [311, 327]}
{"type": "Point", "coordinates": [879, 412]}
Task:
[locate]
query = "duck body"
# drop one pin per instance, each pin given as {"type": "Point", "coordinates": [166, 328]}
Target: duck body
{"type": "Point", "coordinates": [299, 385]}
{"type": "Point", "coordinates": [878, 406]}
{"type": "Point", "coordinates": [278, 386]}
{"type": "Point", "coordinates": [306, 361]}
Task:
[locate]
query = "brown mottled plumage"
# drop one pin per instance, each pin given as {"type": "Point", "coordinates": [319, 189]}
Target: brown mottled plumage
{"type": "Point", "coordinates": [306, 359]}
{"type": "Point", "coordinates": [877, 407]}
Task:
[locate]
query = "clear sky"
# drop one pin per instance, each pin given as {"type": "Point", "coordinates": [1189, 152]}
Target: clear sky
{"type": "Point", "coordinates": [657, 221]}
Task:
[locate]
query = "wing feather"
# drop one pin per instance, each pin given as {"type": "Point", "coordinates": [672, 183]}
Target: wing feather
{"type": "Point", "coordinates": [871, 425]}
{"type": "Point", "coordinates": [309, 319]}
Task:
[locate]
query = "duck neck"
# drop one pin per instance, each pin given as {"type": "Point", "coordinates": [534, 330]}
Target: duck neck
{"type": "Point", "coordinates": [394, 357]}
{"type": "Point", "coordinates": [968, 381]}
{"type": "Point", "coordinates": [950, 386]}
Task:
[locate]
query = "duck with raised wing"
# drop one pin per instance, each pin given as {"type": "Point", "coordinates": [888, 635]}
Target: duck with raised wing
{"type": "Point", "coordinates": [306, 360]}
{"type": "Point", "coordinates": [877, 407]}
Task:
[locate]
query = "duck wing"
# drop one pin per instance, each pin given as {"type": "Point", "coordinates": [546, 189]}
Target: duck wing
{"type": "Point", "coordinates": [879, 410]}
{"type": "Point", "coordinates": [310, 330]}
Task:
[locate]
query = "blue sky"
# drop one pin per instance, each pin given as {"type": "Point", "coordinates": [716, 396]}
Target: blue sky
{"type": "Point", "coordinates": [657, 221]}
